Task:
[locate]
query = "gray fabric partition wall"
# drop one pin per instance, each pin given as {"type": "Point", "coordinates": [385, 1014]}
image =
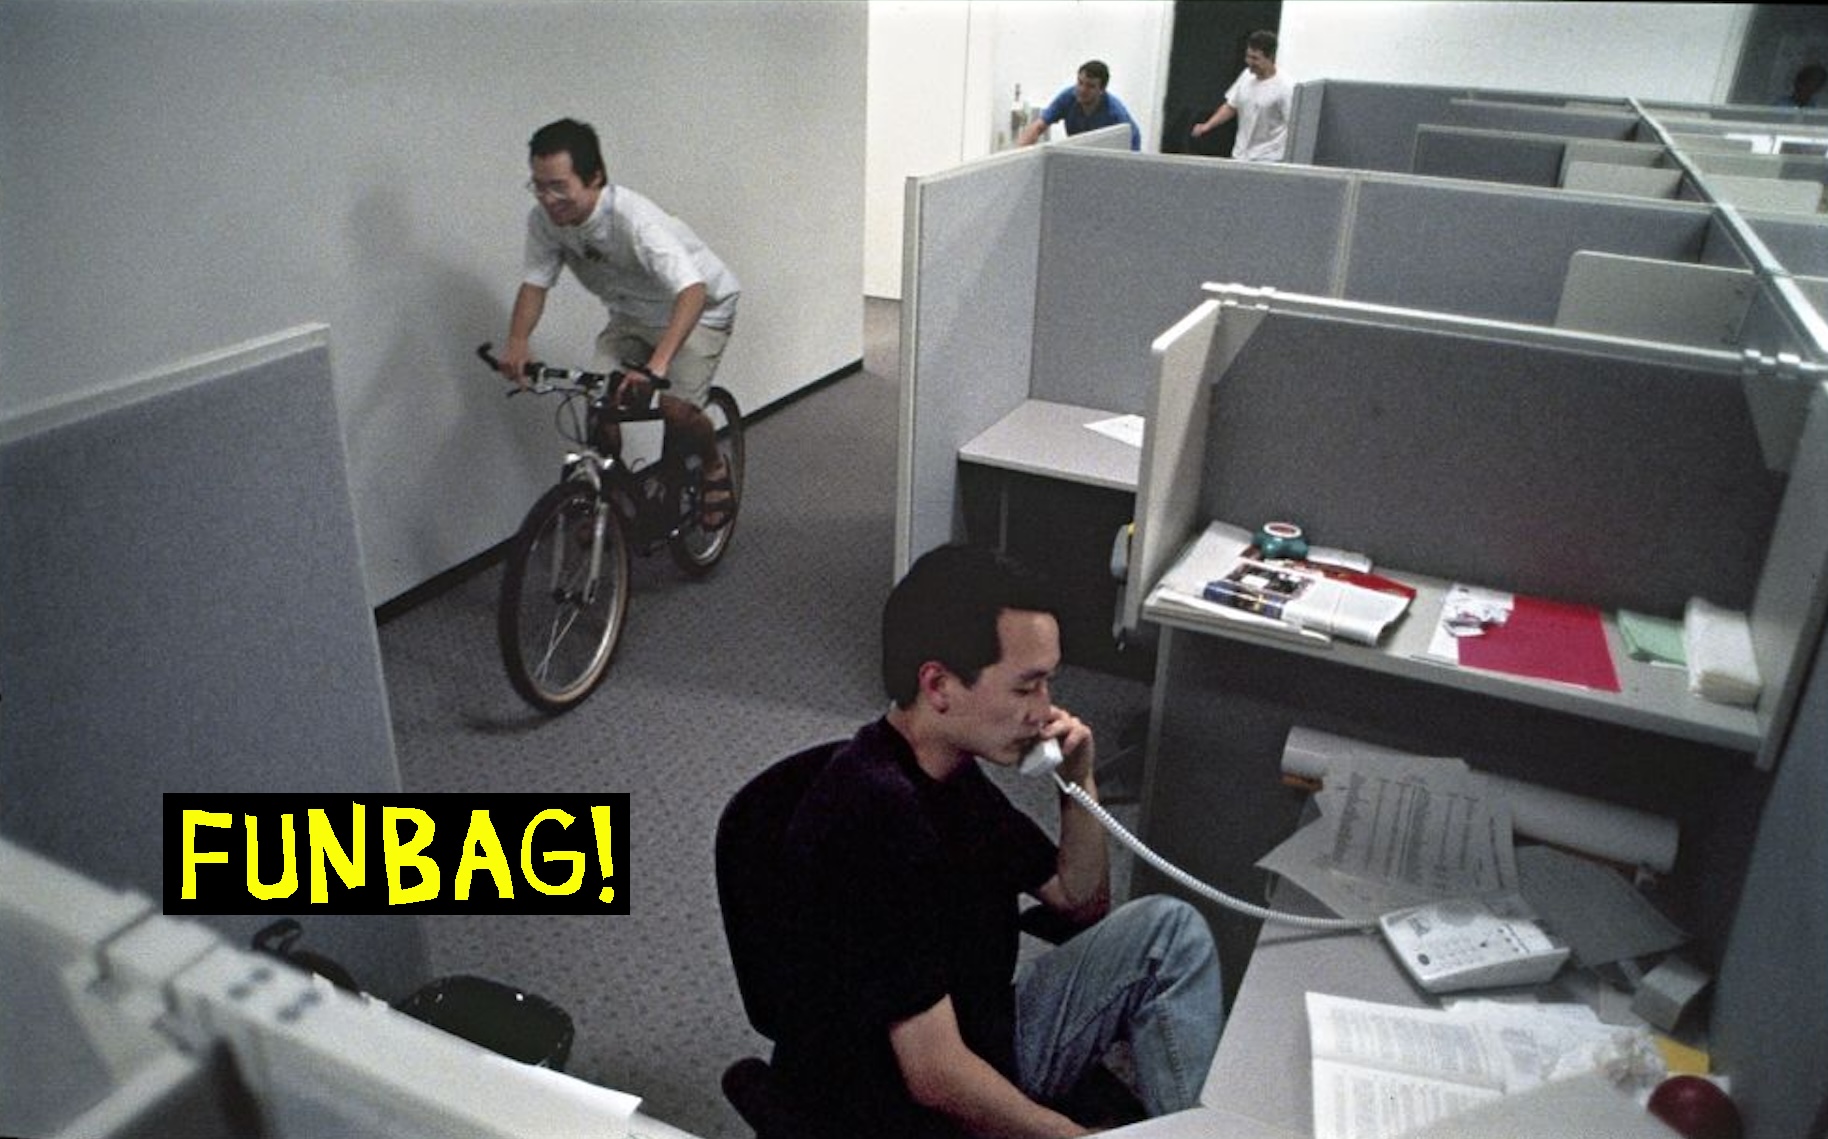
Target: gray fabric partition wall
{"type": "Point", "coordinates": [1370, 126]}
{"type": "Point", "coordinates": [1488, 156]}
{"type": "Point", "coordinates": [1125, 242]}
{"type": "Point", "coordinates": [1771, 1004]}
{"type": "Point", "coordinates": [1115, 138]}
{"type": "Point", "coordinates": [1801, 246]}
{"type": "Point", "coordinates": [1508, 116]}
{"type": "Point", "coordinates": [1498, 253]}
{"type": "Point", "coordinates": [968, 311]}
{"type": "Point", "coordinates": [1559, 472]}
{"type": "Point", "coordinates": [185, 612]}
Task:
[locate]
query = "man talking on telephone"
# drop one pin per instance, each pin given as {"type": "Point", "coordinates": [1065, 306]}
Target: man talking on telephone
{"type": "Point", "coordinates": [909, 868]}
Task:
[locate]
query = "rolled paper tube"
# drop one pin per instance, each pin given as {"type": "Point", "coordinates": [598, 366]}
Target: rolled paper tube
{"type": "Point", "coordinates": [1602, 830]}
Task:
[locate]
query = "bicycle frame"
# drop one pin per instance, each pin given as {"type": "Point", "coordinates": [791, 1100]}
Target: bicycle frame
{"type": "Point", "coordinates": [566, 576]}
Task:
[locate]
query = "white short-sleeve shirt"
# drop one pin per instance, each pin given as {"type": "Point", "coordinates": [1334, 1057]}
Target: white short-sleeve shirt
{"type": "Point", "coordinates": [1263, 113]}
{"type": "Point", "coordinates": [634, 256]}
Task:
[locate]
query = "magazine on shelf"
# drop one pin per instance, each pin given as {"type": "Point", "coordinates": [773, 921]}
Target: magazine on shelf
{"type": "Point", "coordinates": [1221, 575]}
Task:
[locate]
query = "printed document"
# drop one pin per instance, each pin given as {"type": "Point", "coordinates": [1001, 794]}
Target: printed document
{"type": "Point", "coordinates": [1383, 1070]}
{"type": "Point", "coordinates": [1395, 832]}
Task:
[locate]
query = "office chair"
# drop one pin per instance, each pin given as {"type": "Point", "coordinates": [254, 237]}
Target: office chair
{"type": "Point", "coordinates": [749, 868]}
{"type": "Point", "coordinates": [519, 1025]}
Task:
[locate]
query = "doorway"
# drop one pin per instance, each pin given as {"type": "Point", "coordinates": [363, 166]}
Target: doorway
{"type": "Point", "coordinates": [1204, 58]}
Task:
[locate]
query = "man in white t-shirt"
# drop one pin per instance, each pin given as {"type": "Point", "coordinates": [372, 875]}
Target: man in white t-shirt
{"type": "Point", "coordinates": [1260, 101]}
{"type": "Point", "coordinates": [671, 302]}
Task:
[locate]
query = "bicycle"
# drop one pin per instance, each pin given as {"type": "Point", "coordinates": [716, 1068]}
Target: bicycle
{"type": "Point", "coordinates": [564, 589]}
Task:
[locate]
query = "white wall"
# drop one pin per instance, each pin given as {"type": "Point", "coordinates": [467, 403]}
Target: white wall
{"type": "Point", "coordinates": [1664, 52]}
{"type": "Point", "coordinates": [942, 82]}
{"type": "Point", "coordinates": [922, 53]}
{"type": "Point", "coordinates": [182, 175]}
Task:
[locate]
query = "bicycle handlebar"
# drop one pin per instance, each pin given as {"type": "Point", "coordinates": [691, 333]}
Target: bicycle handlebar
{"type": "Point", "coordinates": [544, 374]}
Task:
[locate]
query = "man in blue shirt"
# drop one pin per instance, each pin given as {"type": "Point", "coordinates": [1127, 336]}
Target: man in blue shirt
{"type": "Point", "coordinates": [1085, 106]}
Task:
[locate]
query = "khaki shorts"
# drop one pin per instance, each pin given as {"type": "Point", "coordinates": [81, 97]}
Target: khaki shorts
{"type": "Point", "coordinates": [694, 365]}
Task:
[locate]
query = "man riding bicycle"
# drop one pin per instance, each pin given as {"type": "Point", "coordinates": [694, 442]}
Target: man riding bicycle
{"type": "Point", "coordinates": [671, 301]}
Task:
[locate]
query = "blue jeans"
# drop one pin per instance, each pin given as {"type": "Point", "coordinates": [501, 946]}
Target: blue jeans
{"type": "Point", "coordinates": [1147, 973]}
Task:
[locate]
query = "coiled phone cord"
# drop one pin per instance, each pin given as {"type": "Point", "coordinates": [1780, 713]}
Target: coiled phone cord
{"type": "Point", "coordinates": [1261, 913]}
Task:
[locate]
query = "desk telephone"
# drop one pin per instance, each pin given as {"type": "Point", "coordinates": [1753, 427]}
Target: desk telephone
{"type": "Point", "coordinates": [1446, 946]}
{"type": "Point", "coordinates": [1468, 943]}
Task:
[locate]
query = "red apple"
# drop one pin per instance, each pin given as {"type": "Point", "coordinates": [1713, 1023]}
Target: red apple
{"type": "Point", "coordinates": [1696, 1108]}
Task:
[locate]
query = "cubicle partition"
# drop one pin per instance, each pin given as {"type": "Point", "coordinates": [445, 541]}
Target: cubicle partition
{"type": "Point", "coordinates": [1373, 126]}
{"type": "Point", "coordinates": [1115, 137]}
{"type": "Point", "coordinates": [1481, 251]}
{"type": "Point", "coordinates": [1513, 157]}
{"type": "Point", "coordinates": [1800, 244]}
{"type": "Point", "coordinates": [1495, 113]}
{"type": "Point", "coordinates": [1586, 468]}
{"type": "Point", "coordinates": [1576, 468]}
{"type": "Point", "coordinates": [970, 266]}
{"type": "Point", "coordinates": [1363, 126]}
{"type": "Point", "coordinates": [1523, 158]}
{"type": "Point", "coordinates": [186, 613]}
{"type": "Point", "coordinates": [1043, 274]}
{"type": "Point", "coordinates": [1041, 277]}
{"type": "Point", "coordinates": [1125, 239]}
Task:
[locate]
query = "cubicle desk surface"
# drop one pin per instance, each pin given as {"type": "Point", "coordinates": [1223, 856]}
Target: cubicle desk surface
{"type": "Point", "coordinates": [1650, 698]}
{"type": "Point", "coordinates": [1206, 1123]}
{"type": "Point", "coordinates": [1053, 440]}
{"type": "Point", "coordinates": [1262, 1067]}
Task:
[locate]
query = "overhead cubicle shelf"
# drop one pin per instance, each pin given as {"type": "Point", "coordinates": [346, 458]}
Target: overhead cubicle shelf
{"type": "Point", "coordinates": [1575, 466]}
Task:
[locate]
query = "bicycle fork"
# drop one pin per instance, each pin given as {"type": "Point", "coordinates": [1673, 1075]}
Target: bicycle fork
{"type": "Point", "coordinates": [599, 525]}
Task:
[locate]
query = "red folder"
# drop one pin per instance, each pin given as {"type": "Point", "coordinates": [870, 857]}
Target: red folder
{"type": "Point", "coordinates": [1547, 640]}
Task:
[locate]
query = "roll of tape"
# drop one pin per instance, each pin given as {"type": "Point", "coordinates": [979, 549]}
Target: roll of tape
{"type": "Point", "coordinates": [1281, 540]}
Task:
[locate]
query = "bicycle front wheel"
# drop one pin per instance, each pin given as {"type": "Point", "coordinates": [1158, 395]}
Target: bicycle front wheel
{"type": "Point", "coordinates": [695, 549]}
{"type": "Point", "coordinates": [564, 595]}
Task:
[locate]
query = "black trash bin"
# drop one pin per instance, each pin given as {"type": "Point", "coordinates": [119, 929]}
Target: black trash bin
{"type": "Point", "coordinates": [501, 1018]}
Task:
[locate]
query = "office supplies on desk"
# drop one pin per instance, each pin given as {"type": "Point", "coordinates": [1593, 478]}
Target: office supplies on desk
{"type": "Point", "coordinates": [1219, 575]}
{"type": "Point", "coordinates": [1602, 830]}
{"type": "Point", "coordinates": [1721, 666]}
{"type": "Point", "coordinates": [1281, 540]}
{"type": "Point", "coordinates": [1525, 636]}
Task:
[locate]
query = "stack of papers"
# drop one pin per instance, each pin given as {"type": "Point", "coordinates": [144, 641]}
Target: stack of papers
{"type": "Point", "coordinates": [1384, 1070]}
{"type": "Point", "coordinates": [1396, 832]}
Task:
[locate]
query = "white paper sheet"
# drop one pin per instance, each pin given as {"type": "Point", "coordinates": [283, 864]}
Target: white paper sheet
{"type": "Point", "coordinates": [1383, 1070]}
{"type": "Point", "coordinates": [1123, 428]}
{"type": "Point", "coordinates": [1593, 908]}
{"type": "Point", "coordinates": [1394, 832]}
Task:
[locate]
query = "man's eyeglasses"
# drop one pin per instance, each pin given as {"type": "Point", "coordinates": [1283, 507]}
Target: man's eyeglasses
{"type": "Point", "coordinates": [549, 189]}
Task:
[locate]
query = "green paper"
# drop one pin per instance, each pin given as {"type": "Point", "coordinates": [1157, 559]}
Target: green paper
{"type": "Point", "coordinates": [1652, 638]}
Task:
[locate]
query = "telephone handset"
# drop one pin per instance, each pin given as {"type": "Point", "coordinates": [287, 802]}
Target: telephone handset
{"type": "Point", "coordinates": [1469, 943]}
{"type": "Point", "coordinates": [1042, 758]}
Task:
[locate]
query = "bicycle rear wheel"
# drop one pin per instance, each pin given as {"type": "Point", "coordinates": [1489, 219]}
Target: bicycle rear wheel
{"type": "Point", "coordinates": [695, 549]}
{"type": "Point", "coordinates": [559, 620]}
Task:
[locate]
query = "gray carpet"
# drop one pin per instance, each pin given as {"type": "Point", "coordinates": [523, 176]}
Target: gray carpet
{"type": "Point", "coordinates": [713, 680]}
